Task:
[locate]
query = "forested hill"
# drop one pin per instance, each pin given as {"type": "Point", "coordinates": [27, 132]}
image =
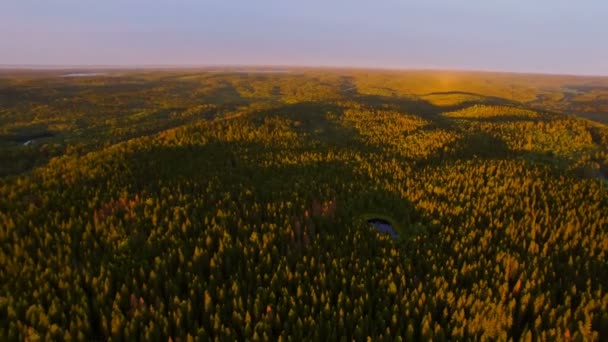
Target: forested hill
{"type": "Point", "coordinates": [206, 205]}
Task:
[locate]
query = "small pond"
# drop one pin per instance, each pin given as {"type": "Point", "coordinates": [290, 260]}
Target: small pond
{"type": "Point", "coordinates": [383, 226]}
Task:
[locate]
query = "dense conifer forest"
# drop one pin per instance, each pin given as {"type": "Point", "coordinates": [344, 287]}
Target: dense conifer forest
{"type": "Point", "coordinates": [233, 205]}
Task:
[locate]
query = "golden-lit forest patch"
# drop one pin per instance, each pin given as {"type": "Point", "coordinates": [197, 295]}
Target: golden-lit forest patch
{"type": "Point", "coordinates": [452, 99]}
{"type": "Point", "coordinates": [482, 111]}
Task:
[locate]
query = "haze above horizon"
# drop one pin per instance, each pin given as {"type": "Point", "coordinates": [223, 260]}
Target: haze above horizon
{"type": "Point", "coordinates": [558, 37]}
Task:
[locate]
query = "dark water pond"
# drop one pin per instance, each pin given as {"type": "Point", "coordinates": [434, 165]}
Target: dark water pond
{"type": "Point", "coordinates": [26, 137]}
{"type": "Point", "coordinates": [383, 226]}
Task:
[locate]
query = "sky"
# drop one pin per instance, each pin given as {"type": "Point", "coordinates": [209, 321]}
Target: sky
{"type": "Point", "coordinates": [542, 36]}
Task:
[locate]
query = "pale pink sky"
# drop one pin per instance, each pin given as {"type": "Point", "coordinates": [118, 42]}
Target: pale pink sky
{"type": "Point", "coordinates": [556, 36]}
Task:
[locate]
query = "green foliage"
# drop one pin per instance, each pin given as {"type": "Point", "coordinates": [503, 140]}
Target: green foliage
{"type": "Point", "coordinates": [205, 206]}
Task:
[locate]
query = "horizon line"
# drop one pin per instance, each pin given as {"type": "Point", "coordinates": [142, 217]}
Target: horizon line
{"type": "Point", "coordinates": [57, 67]}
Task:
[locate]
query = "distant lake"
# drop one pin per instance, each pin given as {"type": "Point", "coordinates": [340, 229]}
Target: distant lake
{"type": "Point", "coordinates": [84, 74]}
{"type": "Point", "coordinates": [253, 71]}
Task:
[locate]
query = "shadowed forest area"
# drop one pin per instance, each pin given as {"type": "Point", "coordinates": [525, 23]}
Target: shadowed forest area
{"type": "Point", "coordinates": [234, 204]}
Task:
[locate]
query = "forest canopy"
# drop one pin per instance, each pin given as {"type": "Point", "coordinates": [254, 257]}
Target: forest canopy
{"type": "Point", "coordinates": [225, 205]}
